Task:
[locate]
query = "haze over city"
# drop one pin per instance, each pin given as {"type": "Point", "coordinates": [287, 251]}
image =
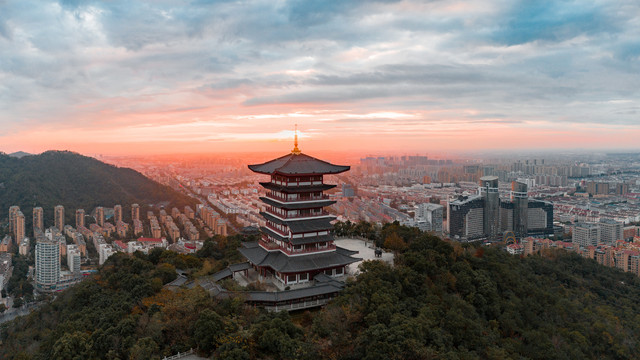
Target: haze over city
{"type": "Point", "coordinates": [124, 77]}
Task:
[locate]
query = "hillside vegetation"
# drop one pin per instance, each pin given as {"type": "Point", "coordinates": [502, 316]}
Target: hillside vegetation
{"type": "Point", "coordinates": [440, 301]}
{"type": "Point", "coordinates": [75, 181]}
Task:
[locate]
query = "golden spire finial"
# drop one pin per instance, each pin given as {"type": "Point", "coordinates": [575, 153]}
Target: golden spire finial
{"type": "Point", "coordinates": [295, 150]}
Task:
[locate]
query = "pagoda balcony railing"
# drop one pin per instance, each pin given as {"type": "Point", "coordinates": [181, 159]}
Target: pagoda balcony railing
{"type": "Point", "coordinates": [276, 230]}
{"type": "Point", "coordinates": [297, 183]}
{"type": "Point", "coordinates": [286, 199]}
{"type": "Point", "coordinates": [273, 246]}
{"type": "Point", "coordinates": [299, 216]}
{"type": "Point", "coordinates": [268, 245]}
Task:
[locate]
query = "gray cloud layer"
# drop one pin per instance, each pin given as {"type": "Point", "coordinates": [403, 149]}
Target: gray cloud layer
{"type": "Point", "coordinates": [567, 61]}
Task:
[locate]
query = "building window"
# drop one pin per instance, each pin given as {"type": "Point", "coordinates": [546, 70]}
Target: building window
{"type": "Point", "coordinates": [328, 272]}
{"type": "Point", "coordinates": [304, 277]}
{"type": "Point", "coordinates": [339, 271]}
{"type": "Point", "coordinates": [291, 279]}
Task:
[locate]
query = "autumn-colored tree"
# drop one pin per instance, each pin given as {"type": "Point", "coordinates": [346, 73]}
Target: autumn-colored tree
{"type": "Point", "coordinates": [394, 242]}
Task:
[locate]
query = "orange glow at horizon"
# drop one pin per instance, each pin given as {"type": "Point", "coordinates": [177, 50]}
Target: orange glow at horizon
{"type": "Point", "coordinates": [341, 131]}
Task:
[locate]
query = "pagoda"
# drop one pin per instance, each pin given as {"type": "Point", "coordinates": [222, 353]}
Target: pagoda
{"type": "Point", "coordinates": [297, 243]}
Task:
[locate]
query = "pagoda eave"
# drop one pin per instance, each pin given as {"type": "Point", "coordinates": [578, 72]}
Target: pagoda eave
{"type": "Point", "coordinates": [298, 164]}
{"type": "Point", "coordinates": [280, 262]}
{"type": "Point", "coordinates": [310, 204]}
{"type": "Point", "coordinates": [285, 221]}
{"type": "Point", "coordinates": [316, 173]}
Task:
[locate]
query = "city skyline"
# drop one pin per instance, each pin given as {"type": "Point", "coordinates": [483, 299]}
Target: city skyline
{"type": "Point", "coordinates": [147, 77]}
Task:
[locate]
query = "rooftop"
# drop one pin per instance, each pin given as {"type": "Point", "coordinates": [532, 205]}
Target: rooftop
{"type": "Point", "coordinates": [280, 262]}
{"type": "Point", "coordinates": [296, 164]}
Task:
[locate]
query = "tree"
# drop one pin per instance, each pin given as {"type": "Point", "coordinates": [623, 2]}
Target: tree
{"type": "Point", "coordinates": [72, 346]}
{"type": "Point", "coordinates": [144, 349]}
{"type": "Point", "coordinates": [394, 242]}
{"type": "Point", "coordinates": [166, 272]}
{"type": "Point", "coordinates": [207, 330]}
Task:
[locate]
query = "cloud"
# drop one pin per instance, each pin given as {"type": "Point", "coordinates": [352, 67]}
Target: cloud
{"type": "Point", "coordinates": [554, 21]}
{"type": "Point", "coordinates": [110, 64]}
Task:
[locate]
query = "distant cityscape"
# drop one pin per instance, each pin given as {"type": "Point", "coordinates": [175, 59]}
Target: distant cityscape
{"type": "Point", "coordinates": [65, 254]}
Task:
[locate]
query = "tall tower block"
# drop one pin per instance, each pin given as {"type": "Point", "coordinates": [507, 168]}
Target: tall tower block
{"type": "Point", "coordinates": [79, 218]}
{"type": "Point", "coordinates": [38, 219]}
{"type": "Point", "coordinates": [58, 216]}
{"type": "Point", "coordinates": [117, 214]}
{"type": "Point", "coordinates": [100, 216]}
{"type": "Point", "coordinates": [520, 199]}
{"type": "Point", "coordinates": [135, 212]}
{"type": "Point", "coordinates": [489, 192]}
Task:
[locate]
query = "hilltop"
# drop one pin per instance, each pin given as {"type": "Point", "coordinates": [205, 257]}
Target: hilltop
{"type": "Point", "coordinates": [19, 154]}
{"type": "Point", "coordinates": [76, 181]}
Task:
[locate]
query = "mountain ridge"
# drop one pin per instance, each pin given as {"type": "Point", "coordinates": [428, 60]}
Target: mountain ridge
{"type": "Point", "coordinates": [76, 181]}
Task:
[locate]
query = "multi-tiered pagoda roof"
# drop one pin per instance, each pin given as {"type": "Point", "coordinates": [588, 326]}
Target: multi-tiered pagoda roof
{"type": "Point", "coordinates": [298, 164]}
{"type": "Point", "coordinates": [297, 242]}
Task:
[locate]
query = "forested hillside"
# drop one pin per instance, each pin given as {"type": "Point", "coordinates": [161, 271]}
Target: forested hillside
{"type": "Point", "coordinates": [75, 181]}
{"type": "Point", "coordinates": [440, 301]}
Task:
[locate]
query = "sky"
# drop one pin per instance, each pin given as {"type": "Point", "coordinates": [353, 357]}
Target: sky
{"type": "Point", "coordinates": [156, 77]}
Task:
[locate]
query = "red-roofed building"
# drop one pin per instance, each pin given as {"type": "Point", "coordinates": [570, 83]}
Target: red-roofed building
{"type": "Point", "coordinates": [515, 249]}
{"type": "Point", "coordinates": [120, 246]}
{"type": "Point", "coordinates": [150, 240]}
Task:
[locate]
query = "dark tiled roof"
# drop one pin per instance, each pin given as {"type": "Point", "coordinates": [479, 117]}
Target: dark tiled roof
{"type": "Point", "coordinates": [346, 252]}
{"type": "Point", "coordinates": [292, 164]}
{"type": "Point", "coordinates": [296, 206]}
{"type": "Point", "coordinates": [273, 234]}
{"type": "Point", "coordinates": [230, 270]}
{"type": "Point", "coordinates": [239, 267]}
{"type": "Point", "coordinates": [296, 189]}
{"type": "Point", "coordinates": [221, 274]}
{"type": "Point", "coordinates": [179, 281]}
{"type": "Point", "coordinates": [310, 225]}
{"type": "Point", "coordinates": [288, 295]}
{"type": "Point", "coordinates": [281, 262]}
{"type": "Point", "coordinates": [323, 278]}
{"type": "Point", "coordinates": [276, 220]}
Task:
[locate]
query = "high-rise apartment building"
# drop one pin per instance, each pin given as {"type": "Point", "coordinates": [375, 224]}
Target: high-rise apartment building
{"type": "Point", "coordinates": [13, 211]}
{"type": "Point", "coordinates": [491, 196]}
{"type": "Point", "coordinates": [597, 188]}
{"type": "Point", "coordinates": [100, 216]}
{"type": "Point", "coordinates": [79, 218]}
{"type": "Point", "coordinates": [585, 235]}
{"type": "Point", "coordinates": [487, 216]}
{"type": "Point", "coordinates": [520, 199]}
{"type": "Point", "coordinates": [117, 214]}
{"type": "Point", "coordinates": [58, 213]}
{"type": "Point", "coordinates": [47, 262]}
{"type": "Point", "coordinates": [38, 218]}
{"type": "Point", "coordinates": [610, 231]}
{"type": "Point", "coordinates": [466, 217]}
{"type": "Point", "coordinates": [73, 259]}
{"type": "Point", "coordinates": [19, 232]}
{"type": "Point", "coordinates": [432, 214]}
{"type": "Point", "coordinates": [622, 189]}
{"type": "Point", "coordinates": [135, 212]}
